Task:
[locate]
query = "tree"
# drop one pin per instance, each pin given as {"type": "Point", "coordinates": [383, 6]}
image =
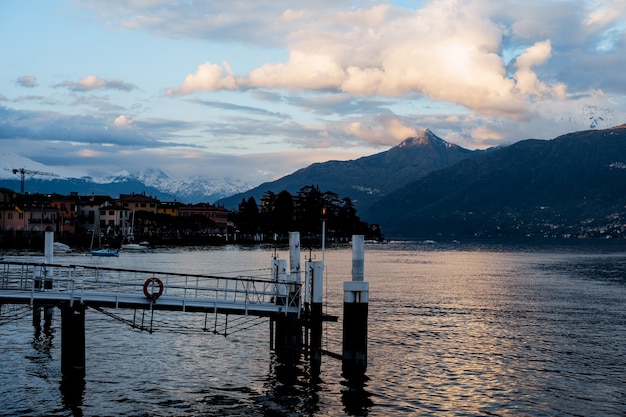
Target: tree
{"type": "Point", "coordinates": [309, 202]}
{"type": "Point", "coordinates": [284, 212]}
{"type": "Point", "coordinates": [248, 216]}
{"type": "Point", "coordinates": [347, 222]}
{"type": "Point", "coordinates": [281, 213]}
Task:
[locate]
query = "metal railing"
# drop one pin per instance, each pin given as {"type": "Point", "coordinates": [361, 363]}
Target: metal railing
{"type": "Point", "coordinates": [75, 282]}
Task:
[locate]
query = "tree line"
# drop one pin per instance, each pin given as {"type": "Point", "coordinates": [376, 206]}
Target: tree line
{"type": "Point", "coordinates": [278, 214]}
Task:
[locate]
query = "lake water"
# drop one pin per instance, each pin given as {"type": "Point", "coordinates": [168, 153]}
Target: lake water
{"type": "Point", "coordinates": [454, 330]}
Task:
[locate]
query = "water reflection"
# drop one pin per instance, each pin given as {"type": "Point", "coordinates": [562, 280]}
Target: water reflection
{"type": "Point", "coordinates": [72, 390]}
{"type": "Point", "coordinates": [354, 397]}
{"type": "Point", "coordinates": [72, 387]}
{"type": "Point", "coordinates": [293, 387]}
{"type": "Point", "coordinates": [39, 342]}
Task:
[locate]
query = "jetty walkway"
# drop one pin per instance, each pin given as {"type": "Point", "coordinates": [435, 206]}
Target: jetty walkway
{"type": "Point", "coordinates": [100, 287]}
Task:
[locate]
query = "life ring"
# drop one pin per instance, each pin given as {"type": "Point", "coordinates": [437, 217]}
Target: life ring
{"type": "Point", "coordinates": [147, 287]}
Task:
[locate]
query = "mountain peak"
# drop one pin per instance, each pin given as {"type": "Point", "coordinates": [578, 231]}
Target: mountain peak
{"type": "Point", "coordinates": [423, 137]}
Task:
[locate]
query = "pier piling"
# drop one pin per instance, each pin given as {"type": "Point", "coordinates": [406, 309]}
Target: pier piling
{"type": "Point", "coordinates": [315, 276]}
{"type": "Point", "coordinates": [288, 329]}
{"type": "Point", "coordinates": [355, 311]}
{"type": "Point", "coordinates": [73, 341]}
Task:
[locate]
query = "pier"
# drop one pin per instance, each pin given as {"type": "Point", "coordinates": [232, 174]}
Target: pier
{"type": "Point", "coordinates": [289, 296]}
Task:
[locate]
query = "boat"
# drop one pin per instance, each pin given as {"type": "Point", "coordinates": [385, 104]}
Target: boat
{"type": "Point", "coordinates": [130, 245]}
{"type": "Point", "coordinates": [104, 252]}
{"type": "Point", "coordinates": [134, 246]}
{"type": "Point", "coordinates": [60, 248]}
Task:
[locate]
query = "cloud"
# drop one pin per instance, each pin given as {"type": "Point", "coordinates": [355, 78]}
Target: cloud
{"type": "Point", "coordinates": [527, 81]}
{"type": "Point", "coordinates": [239, 108]}
{"type": "Point", "coordinates": [444, 51]}
{"type": "Point", "coordinates": [49, 126]}
{"type": "Point", "coordinates": [92, 82]}
{"type": "Point", "coordinates": [450, 51]}
{"type": "Point", "coordinates": [606, 13]}
{"type": "Point", "coordinates": [29, 81]}
{"type": "Point", "coordinates": [122, 121]}
{"type": "Point", "coordinates": [384, 131]}
{"type": "Point", "coordinates": [208, 77]}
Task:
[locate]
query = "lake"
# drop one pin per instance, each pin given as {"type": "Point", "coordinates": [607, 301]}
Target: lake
{"type": "Point", "coordinates": [455, 329]}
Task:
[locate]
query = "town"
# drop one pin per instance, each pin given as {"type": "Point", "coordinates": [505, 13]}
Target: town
{"type": "Point", "coordinates": [100, 221]}
{"type": "Point", "coordinates": [78, 219]}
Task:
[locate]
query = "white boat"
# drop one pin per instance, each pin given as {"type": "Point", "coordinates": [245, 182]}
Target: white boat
{"type": "Point", "coordinates": [134, 246]}
{"type": "Point", "coordinates": [60, 248]}
{"type": "Point", "coordinates": [129, 245]}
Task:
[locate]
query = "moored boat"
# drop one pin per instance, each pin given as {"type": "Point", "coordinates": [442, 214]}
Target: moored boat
{"type": "Point", "coordinates": [104, 252]}
{"type": "Point", "coordinates": [133, 246]}
{"type": "Point", "coordinates": [60, 248]}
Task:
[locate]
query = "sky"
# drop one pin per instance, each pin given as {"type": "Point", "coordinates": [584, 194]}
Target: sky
{"type": "Point", "coordinates": [253, 91]}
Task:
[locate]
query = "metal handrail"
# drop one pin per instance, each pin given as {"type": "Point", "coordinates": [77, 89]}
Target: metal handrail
{"type": "Point", "coordinates": [77, 281]}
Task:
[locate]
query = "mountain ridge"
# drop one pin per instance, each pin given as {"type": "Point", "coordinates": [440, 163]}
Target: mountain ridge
{"type": "Point", "coordinates": [368, 178]}
{"type": "Point", "coordinates": [154, 182]}
{"type": "Point", "coordinates": [556, 187]}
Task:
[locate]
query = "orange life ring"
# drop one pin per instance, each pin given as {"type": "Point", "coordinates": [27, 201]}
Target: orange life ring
{"type": "Point", "coordinates": [147, 286]}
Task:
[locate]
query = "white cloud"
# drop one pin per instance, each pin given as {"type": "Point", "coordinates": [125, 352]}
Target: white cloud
{"type": "Point", "coordinates": [528, 82]}
{"type": "Point", "coordinates": [445, 51]}
{"type": "Point", "coordinates": [208, 77]}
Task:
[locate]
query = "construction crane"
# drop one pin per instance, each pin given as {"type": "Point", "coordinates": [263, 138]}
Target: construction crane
{"type": "Point", "coordinates": [23, 172]}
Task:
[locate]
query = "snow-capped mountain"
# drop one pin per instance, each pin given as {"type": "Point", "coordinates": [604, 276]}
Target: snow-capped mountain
{"type": "Point", "coordinates": [193, 189]}
{"type": "Point", "coordinates": [153, 182]}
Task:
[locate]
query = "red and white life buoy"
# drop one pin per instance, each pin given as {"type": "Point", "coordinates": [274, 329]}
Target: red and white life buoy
{"type": "Point", "coordinates": [148, 288]}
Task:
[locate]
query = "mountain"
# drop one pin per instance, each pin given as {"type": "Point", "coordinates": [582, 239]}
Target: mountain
{"type": "Point", "coordinates": [152, 182]}
{"type": "Point", "coordinates": [573, 185]}
{"type": "Point", "coordinates": [367, 179]}
{"type": "Point", "coordinates": [193, 190]}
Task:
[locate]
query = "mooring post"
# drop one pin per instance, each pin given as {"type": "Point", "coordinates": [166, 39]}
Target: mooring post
{"type": "Point", "coordinates": [49, 255]}
{"type": "Point", "coordinates": [288, 330]}
{"type": "Point", "coordinates": [48, 250]}
{"type": "Point", "coordinates": [294, 255]}
{"type": "Point", "coordinates": [279, 274]}
{"type": "Point", "coordinates": [355, 311]}
{"type": "Point", "coordinates": [73, 341]}
{"type": "Point", "coordinates": [315, 276]}
{"type": "Point", "coordinates": [43, 280]}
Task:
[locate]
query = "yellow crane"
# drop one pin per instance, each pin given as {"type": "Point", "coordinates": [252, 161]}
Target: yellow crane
{"type": "Point", "coordinates": [23, 172]}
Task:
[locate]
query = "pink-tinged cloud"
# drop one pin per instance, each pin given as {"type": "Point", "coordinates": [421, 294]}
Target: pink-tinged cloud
{"type": "Point", "coordinates": [29, 81]}
{"type": "Point", "coordinates": [92, 82]}
{"type": "Point", "coordinates": [443, 51]}
{"type": "Point", "coordinates": [122, 121]}
{"type": "Point", "coordinates": [208, 77]}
